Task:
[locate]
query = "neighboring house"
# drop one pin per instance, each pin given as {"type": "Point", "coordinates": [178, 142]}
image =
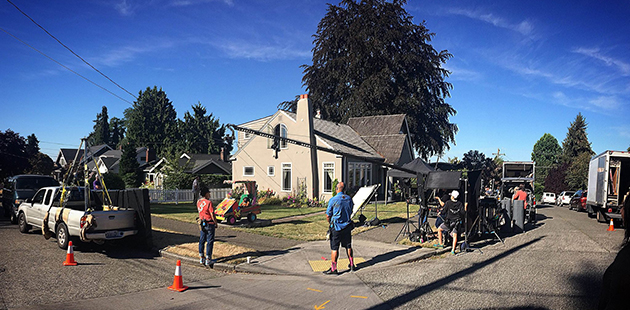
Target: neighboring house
{"type": "Point", "coordinates": [206, 164]}
{"type": "Point", "coordinates": [66, 156]}
{"type": "Point", "coordinates": [378, 138]}
{"type": "Point", "coordinates": [194, 163]}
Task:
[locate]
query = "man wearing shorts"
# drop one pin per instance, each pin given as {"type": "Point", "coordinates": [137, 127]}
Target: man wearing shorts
{"type": "Point", "coordinates": [338, 215]}
{"type": "Point", "coordinates": [454, 211]}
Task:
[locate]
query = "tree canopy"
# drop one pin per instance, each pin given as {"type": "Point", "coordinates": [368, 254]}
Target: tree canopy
{"type": "Point", "coordinates": [100, 135]}
{"type": "Point", "coordinates": [129, 166]}
{"type": "Point", "coordinates": [13, 157]}
{"type": "Point", "coordinates": [576, 141]}
{"type": "Point", "coordinates": [200, 132]}
{"type": "Point", "coordinates": [370, 58]}
{"type": "Point", "coordinates": [546, 154]}
{"type": "Point", "coordinates": [152, 121]}
{"type": "Point", "coordinates": [475, 160]}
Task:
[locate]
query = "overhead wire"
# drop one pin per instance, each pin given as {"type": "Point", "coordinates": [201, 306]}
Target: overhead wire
{"type": "Point", "coordinates": [71, 51]}
{"type": "Point", "coordinates": [65, 67]}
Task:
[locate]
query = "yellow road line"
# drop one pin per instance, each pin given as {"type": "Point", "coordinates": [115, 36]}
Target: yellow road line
{"type": "Point", "coordinates": [364, 297]}
{"type": "Point", "coordinates": [314, 290]}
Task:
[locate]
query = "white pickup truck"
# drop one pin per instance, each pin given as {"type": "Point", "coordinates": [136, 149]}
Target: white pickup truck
{"type": "Point", "coordinates": [74, 221]}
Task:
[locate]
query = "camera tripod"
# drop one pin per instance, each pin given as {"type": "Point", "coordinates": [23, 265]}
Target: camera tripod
{"type": "Point", "coordinates": [406, 229]}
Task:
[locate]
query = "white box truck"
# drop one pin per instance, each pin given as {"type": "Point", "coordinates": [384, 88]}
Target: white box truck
{"type": "Point", "coordinates": [608, 183]}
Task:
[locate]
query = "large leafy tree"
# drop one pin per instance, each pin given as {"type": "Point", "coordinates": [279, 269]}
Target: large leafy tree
{"type": "Point", "coordinates": [13, 157]}
{"type": "Point", "coordinates": [475, 160]}
{"type": "Point", "coordinates": [129, 168]}
{"type": "Point", "coordinates": [546, 154]}
{"type": "Point", "coordinates": [32, 146]}
{"type": "Point", "coordinates": [576, 141]}
{"type": "Point", "coordinates": [555, 181]}
{"type": "Point", "coordinates": [152, 121]}
{"type": "Point", "coordinates": [370, 58]}
{"type": "Point", "coordinates": [117, 131]}
{"type": "Point", "coordinates": [41, 164]}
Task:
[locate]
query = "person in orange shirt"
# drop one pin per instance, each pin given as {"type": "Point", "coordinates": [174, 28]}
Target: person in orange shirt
{"type": "Point", "coordinates": [208, 226]}
{"type": "Point", "coordinates": [520, 194]}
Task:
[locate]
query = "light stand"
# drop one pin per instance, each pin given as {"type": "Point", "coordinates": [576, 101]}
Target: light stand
{"type": "Point", "coordinates": [406, 227]}
{"type": "Point", "coordinates": [465, 246]}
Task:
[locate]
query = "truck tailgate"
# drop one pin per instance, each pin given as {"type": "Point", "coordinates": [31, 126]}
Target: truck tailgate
{"type": "Point", "coordinates": [113, 220]}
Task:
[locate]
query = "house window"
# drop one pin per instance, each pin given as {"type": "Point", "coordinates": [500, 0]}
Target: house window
{"type": "Point", "coordinates": [247, 136]}
{"type": "Point", "coordinates": [286, 177]}
{"type": "Point", "coordinates": [329, 176]}
{"type": "Point", "coordinates": [248, 171]}
{"type": "Point", "coordinates": [284, 134]}
{"type": "Point", "coordinates": [271, 171]}
{"type": "Point", "coordinates": [359, 174]}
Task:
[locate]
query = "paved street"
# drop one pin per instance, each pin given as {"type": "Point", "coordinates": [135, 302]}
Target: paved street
{"type": "Point", "coordinates": [557, 265]}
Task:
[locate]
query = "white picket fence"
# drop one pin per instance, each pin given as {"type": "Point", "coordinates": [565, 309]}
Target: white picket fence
{"type": "Point", "coordinates": [184, 195]}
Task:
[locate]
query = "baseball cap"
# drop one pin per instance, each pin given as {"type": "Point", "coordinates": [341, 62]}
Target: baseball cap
{"type": "Point", "coordinates": [455, 194]}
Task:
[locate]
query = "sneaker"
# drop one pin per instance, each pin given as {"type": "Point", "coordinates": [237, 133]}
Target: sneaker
{"type": "Point", "coordinates": [210, 263]}
{"type": "Point", "coordinates": [453, 252]}
{"type": "Point", "coordinates": [330, 271]}
{"type": "Point", "coordinates": [439, 246]}
{"type": "Point", "coordinates": [352, 267]}
{"type": "Point", "coordinates": [202, 260]}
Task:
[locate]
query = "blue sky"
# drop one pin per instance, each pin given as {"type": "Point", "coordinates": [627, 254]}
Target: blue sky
{"type": "Point", "coordinates": [519, 68]}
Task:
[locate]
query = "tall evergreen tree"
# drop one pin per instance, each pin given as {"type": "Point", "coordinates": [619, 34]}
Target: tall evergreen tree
{"type": "Point", "coordinates": [576, 141]}
{"type": "Point", "coordinates": [100, 135]}
{"type": "Point", "coordinates": [117, 131]}
{"type": "Point", "coordinates": [201, 133]}
{"type": "Point", "coordinates": [546, 154]}
{"type": "Point", "coordinates": [32, 146]}
{"type": "Point", "coordinates": [129, 166]}
{"type": "Point", "coordinates": [371, 59]}
{"type": "Point", "coordinates": [152, 121]}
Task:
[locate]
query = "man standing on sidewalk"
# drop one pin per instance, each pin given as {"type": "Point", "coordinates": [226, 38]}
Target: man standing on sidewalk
{"type": "Point", "coordinates": [208, 226]}
{"type": "Point", "coordinates": [338, 215]}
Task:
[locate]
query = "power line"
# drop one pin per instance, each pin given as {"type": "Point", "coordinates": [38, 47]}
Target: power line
{"type": "Point", "coordinates": [69, 49]}
{"type": "Point", "coordinates": [83, 77]}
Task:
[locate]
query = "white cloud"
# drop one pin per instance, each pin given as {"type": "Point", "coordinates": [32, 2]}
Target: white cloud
{"type": "Point", "coordinates": [595, 53]}
{"type": "Point", "coordinates": [609, 103]}
{"type": "Point", "coordinates": [118, 56]}
{"type": "Point", "coordinates": [624, 131]}
{"type": "Point", "coordinates": [525, 27]}
{"type": "Point", "coordinates": [261, 52]}
{"type": "Point", "coordinates": [124, 8]}
{"type": "Point", "coordinates": [460, 74]}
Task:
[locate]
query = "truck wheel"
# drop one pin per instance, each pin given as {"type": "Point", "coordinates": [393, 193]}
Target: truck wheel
{"type": "Point", "coordinates": [13, 218]}
{"type": "Point", "coordinates": [251, 217]}
{"type": "Point", "coordinates": [22, 224]}
{"type": "Point", "coordinates": [62, 236]}
{"type": "Point", "coordinates": [231, 220]}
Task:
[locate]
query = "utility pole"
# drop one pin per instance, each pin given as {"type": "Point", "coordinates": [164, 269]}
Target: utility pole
{"type": "Point", "coordinates": [498, 153]}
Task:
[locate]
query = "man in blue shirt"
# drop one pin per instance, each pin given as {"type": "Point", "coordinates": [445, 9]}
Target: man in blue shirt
{"type": "Point", "coordinates": [338, 215]}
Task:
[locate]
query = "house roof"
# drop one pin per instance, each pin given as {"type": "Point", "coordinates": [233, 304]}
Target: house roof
{"type": "Point", "coordinates": [378, 125]}
{"type": "Point", "coordinates": [111, 163]}
{"type": "Point", "coordinates": [200, 161]}
{"type": "Point", "coordinates": [342, 137]}
{"type": "Point", "coordinates": [68, 154]}
{"type": "Point", "coordinates": [385, 133]}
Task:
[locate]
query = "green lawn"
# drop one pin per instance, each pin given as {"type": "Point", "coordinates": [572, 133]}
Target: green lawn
{"type": "Point", "coordinates": [187, 212]}
{"type": "Point", "coordinates": [308, 228]}
{"type": "Point", "coordinates": [315, 227]}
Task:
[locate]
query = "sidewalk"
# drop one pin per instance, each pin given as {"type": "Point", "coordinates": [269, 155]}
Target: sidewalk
{"type": "Point", "coordinates": [290, 257]}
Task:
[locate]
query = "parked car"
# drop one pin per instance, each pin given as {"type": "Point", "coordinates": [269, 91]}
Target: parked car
{"type": "Point", "coordinates": [564, 199]}
{"type": "Point", "coordinates": [578, 201]}
{"type": "Point", "coordinates": [74, 219]}
{"type": "Point", "coordinates": [548, 198]}
{"type": "Point", "coordinates": [22, 187]}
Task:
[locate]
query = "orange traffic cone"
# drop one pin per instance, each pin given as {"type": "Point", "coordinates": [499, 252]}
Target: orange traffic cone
{"type": "Point", "coordinates": [611, 227]}
{"type": "Point", "coordinates": [70, 256]}
{"type": "Point", "coordinates": [178, 284]}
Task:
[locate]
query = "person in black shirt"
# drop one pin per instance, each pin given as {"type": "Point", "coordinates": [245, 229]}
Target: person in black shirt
{"type": "Point", "coordinates": [454, 211]}
{"type": "Point", "coordinates": [441, 201]}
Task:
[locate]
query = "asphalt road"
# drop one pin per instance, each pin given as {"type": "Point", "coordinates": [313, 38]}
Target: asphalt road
{"type": "Point", "coordinates": [556, 265]}
{"type": "Point", "coordinates": [31, 270]}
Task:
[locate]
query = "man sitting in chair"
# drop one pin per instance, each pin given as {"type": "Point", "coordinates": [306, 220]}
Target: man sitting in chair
{"type": "Point", "coordinates": [454, 211]}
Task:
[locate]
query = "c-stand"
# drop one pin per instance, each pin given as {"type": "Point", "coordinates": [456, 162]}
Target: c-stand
{"type": "Point", "coordinates": [406, 229]}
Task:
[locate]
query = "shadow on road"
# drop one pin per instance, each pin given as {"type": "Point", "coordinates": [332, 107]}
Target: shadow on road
{"type": "Point", "coordinates": [402, 299]}
{"type": "Point", "coordinates": [385, 257]}
{"type": "Point", "coordinates": [588, 285]}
